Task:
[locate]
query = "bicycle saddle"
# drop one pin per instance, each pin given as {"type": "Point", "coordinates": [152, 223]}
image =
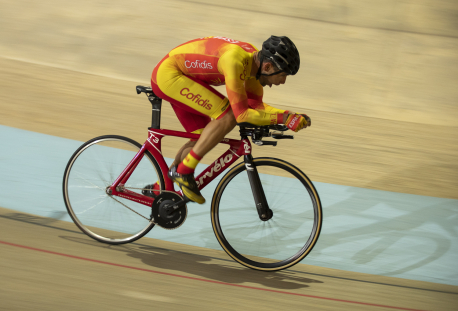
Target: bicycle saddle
{"type": "Point", "coordinates": [145, 89]}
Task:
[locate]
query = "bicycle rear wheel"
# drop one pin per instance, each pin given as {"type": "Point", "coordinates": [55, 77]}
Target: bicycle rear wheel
{"type": "Point", "coordinates": [94, 167]}
{"type": "Point", "coordinates": [288, 236]}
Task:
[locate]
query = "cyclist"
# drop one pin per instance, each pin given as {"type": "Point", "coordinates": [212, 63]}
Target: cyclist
{"type": "Point", "coordinates": [184, 78]}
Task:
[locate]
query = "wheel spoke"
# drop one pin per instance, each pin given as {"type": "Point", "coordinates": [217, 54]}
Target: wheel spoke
{"type": "Point", "coordinates": [278, 242]}
{"type": "Point", "coordinates": [81, 177]}
{"type": "Point", "coordinates": [95, 166]}
{"type": "Point", "coordinates": [93, 206]}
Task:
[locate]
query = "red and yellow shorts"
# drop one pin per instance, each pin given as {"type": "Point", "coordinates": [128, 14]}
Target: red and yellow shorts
{"type": "Point", "coordinates": [195, 103]}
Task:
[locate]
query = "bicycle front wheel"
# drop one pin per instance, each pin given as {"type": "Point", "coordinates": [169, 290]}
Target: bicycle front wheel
{"type": "Point", "coordinates": [93, 168]}
{"type": "Point", "coordinates": [288, 236]}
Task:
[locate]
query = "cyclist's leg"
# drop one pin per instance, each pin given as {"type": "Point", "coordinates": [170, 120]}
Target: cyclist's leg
{"type": "Point", "coordinates": [214, 132]}
{"type": "Point", "coordinates": [187, 93]}
{"type": "Point", "coordinates": [192, 123]}
{"type": "Point", "coordinates": [183, 152]}
{"type": "Point", "coordinates": [198, 99]}
{"type": "Point", "coordinates": [194, 103]}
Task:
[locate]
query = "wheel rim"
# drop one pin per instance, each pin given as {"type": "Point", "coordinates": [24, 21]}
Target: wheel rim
{"type": "Point", "coordinates": [90, 171]}
{"type": "Point", "coordinates": [280, 242]}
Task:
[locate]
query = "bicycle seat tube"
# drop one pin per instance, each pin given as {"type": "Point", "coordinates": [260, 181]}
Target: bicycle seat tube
{"type": "Point", "coordinates": [156, 103]}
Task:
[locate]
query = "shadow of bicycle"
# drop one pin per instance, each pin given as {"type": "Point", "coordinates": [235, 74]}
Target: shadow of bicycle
{"type": "Point", "coordinates": [396, 233]}
{"type": "Point", "coordinates": [212, 268]}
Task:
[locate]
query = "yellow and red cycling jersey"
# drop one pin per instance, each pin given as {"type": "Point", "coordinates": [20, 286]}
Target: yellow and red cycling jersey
{"type": "Point", "coordinates": [217, 61]}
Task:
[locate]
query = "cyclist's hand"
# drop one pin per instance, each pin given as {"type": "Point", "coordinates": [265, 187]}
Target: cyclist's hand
{"type": "Point", "coordinates": [296, 122]}
{"type": "Point", "coordinates": [307, 118]}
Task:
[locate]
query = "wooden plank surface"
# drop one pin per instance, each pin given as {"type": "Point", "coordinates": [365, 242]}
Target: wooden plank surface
{"type": "Point", "coordinates": [51, 265]}
{"type": "Point", "coordinates": [378, 80]}
{"type": "Point", "coordinates": [363, 152]}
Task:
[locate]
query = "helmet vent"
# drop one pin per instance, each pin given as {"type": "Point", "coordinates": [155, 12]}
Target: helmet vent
{"type": "Point", "coordinates": [283, 53]}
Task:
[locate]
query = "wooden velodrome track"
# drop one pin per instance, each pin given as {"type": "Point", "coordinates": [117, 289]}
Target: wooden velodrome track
{"type": "Point", "coordinates": [382, 96]}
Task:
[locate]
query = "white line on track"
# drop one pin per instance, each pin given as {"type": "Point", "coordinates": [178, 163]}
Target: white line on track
{"type": "Point", "coordinates": [145, 296]}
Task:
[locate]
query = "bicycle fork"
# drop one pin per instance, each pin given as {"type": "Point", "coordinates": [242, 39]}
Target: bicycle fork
{"type": "Point", "coordinates": [264, 212]}
{"type": "Point", "coordinates": [262, 207]}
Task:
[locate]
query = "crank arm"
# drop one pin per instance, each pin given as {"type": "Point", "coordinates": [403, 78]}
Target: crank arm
{"type": "Point", "coordinates": [172, 208]}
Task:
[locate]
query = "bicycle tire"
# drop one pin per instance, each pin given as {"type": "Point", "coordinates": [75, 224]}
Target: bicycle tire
{"type": "Point", "coordinates": [250, 241]}
{"type": "Point", "coordinates": [93, 167]}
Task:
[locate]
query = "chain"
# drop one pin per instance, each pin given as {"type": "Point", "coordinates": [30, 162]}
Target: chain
{"type": "Point", "coordinates": [150, 190]}
{"type": "Point", "coordinates": [136, 188]}
{"type": "Point", "coordinates": [130, 209]}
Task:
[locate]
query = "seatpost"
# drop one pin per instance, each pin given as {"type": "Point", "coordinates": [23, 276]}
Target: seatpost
{"type": "Point", "coordinates": [243, 132]}
{"type": "Point", "coordinates": [156, 102]}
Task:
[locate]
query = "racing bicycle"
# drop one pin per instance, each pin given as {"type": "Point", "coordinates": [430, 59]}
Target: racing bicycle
{"type": "Point", "coordinates": [265, 212]}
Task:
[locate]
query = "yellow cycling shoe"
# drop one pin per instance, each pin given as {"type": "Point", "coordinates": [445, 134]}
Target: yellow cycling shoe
{"type": "Point", "coordinates": [187, 184]}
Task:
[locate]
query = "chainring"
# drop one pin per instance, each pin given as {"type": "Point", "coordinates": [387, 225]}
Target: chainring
{"type": "Point", "coordinates": [159, 214]}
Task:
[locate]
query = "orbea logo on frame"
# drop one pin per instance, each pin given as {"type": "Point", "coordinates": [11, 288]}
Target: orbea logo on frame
{"type": "Point", "coordinates": [196, 98]}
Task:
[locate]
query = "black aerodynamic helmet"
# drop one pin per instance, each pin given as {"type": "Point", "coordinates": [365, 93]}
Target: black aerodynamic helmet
{"type": "Point", "coordinates": [282, 52]}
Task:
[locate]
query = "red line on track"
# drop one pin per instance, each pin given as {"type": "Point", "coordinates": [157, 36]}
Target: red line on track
{"type": "Point", "coordinates": [203, 280]}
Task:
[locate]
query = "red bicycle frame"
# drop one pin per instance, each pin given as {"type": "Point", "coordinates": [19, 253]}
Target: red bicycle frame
{"type": "Point", "coordinates": [237, 148]}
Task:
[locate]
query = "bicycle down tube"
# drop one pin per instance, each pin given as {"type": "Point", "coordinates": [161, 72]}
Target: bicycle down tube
{"type": "Point", "coordinates": [237, 149]}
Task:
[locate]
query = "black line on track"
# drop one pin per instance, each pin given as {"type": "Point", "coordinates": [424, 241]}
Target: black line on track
{"type": "Point", "coordinates": [35, 220]}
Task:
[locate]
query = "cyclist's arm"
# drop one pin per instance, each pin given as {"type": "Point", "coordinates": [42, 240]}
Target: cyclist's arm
{"type": "Point", "coordinates": [233, 65]}
{"type": "Point", "coordinates": [270, 109]}
{"type": "Point", "coordinates": [254, 92]}
{"type": "Point", "coordinates": [294, 121]}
